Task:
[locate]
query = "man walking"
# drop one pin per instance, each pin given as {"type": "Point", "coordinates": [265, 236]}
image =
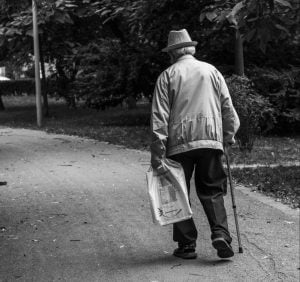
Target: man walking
{"type": "Point", "coordinates": [192, 120]}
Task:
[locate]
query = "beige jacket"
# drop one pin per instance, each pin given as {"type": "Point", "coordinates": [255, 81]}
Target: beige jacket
{"type": "Point", "coordinates": [191, 109]}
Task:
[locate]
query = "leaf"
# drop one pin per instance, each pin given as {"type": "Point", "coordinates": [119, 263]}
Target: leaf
{"type": "Point", "coordinates": [12, 31]}
{"type": "Point", "coordinates": [95, 4]}
{"type": "Point", "coordinates": [278, 26]}
{"type": "Point", "coordinates": [68, 19]}
{"type": "Point", "coordinates": [284, 3]}
{"type": "Point", "coordinates": [222, 17]}
{"type": "Point", "coordinates": [70, 44]}
{"type": "Point", "coordinates": [105, 12]}
{"type": "Point", "coordinates": [3, 30]}
{"type": "Point", "coordinates": [29, 32]}
{"type": "Point", "coordinates": [71, 6]}
{"type": "Point", "coordinates": [211, 15]}
{"type": "Point", "coordinates": [231, 17]}
{"type": "Point", "coordinates": [59, 3]}
{"type": "Point", "coordinates": [237, 7]}
{"type": "Point", "coordinates": [202, 17]}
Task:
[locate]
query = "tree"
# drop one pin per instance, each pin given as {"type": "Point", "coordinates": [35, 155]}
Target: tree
{"type": "Point", "coordinates": [261, 21]}
{"type": "Point", "coordinates": [61, 33]}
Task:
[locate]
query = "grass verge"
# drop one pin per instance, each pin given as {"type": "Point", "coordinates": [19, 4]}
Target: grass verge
{"type": "Point", "coordinates": [279, 182]}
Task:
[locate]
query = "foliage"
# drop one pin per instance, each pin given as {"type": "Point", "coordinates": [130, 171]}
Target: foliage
{"type": "Point", "coordinates": [17, 87]}
{"type": "Point", "coordinates": [255, 111]}
{"type": "Point", "coordinates": [63, 27]}
{"type": "Point", "coordinates": [279, 182]}
{"type": "Point", "coordinates": [136, 31]}
{"type": "Point", "coordinates": [282, 89]}
{"type": "Point", "coordinates": [262, 23]}
{"type": "Point", "coordinates": [99, 74]}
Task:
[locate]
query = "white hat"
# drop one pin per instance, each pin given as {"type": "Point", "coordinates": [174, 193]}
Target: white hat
{"type": "Point", "coordinates": [178, 39]}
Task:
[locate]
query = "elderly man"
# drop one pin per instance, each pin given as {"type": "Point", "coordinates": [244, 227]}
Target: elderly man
{"type": "Point", "coordinates": [192, 122]}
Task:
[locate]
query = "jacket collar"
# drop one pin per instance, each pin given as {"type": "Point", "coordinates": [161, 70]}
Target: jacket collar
{"type": "Point", "coordinates": [184, 57]}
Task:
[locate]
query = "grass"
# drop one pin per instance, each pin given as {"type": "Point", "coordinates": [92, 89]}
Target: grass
{"type": "Point", "coordinates": [269, 150]}
{"type": "Point", "coordinates": [280, 182]}
{"type": "Point", "coordinates": [130, 128]}
{"type": "Point", "coordinates": [118, 126]}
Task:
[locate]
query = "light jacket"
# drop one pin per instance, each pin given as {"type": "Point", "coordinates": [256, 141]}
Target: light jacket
{"type": "Point", "coordinates": [191, 109]}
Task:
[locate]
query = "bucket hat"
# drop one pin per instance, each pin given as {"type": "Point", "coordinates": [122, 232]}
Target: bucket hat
{"type": "Point", "coordinates": [178, 39]}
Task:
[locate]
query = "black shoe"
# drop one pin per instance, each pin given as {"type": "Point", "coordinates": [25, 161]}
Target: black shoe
{"type": "Point", "coordinates": [223, 247]}
{"type": "Point", "coordinates": [186, 251]}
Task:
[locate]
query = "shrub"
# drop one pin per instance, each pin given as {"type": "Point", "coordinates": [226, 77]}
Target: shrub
{"type": "Point", "coordinates": [100, 77]}
{"type": "Point", "coordinates": [282, 90]}
{"type": "Point", "coordinates": [255, 111]}
{"type": "Point", "coordinates": [17, 87]}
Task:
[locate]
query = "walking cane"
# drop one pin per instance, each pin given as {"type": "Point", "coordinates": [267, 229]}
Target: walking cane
{"type": "Point", "coordinates": [233, 202]}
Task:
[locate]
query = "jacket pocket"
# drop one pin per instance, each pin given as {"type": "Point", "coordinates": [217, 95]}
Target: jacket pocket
{"type": "Point", "coordinates": [176, 136]}
{"type": "Point", "coordinates": [194, 129]}
{"type": "Point", "coordinates": [203, 128]}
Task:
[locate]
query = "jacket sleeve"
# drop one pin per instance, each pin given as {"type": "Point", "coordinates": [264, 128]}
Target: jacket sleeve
{"type": "Point", "coordinates": [230, 119]}
{"type": "Point", "coordinates": [159, 119]}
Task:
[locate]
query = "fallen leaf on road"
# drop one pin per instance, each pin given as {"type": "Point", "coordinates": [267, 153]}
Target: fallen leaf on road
{"type": "Point", "coordinates": [176, 265]}
{"type": "Point", "coordinates": [12, 237]}
{"type": "Point", "coordinates": [289, 222]}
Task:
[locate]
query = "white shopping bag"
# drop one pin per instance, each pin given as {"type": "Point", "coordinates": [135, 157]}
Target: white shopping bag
{"type": "Point", "coordinates": [168, 193]}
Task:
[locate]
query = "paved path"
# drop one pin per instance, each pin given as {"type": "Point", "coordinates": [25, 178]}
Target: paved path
{"type": "Point", "coordinates": [76, 209]}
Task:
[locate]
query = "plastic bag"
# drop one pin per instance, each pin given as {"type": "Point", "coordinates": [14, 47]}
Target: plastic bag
{"type": "Point", "coordinates": [168, 195]}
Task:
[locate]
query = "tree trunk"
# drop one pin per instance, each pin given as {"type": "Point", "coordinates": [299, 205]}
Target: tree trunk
{"type": "Point", "coordinates": [63, 86]}
{"type": "Point", "coordinates": [2, 108]}
{"type": "Point", "coordinates": [44, 88]}
{"type": "Point", "coordinates": [238, 54]}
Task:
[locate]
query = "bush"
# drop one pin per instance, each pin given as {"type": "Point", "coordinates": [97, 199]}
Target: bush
{"type": "Point", "coordinates": [282, 90]}
{"type": "Point", "coordinates": [255, 111]}
{"type": "Point", "coordinates": [100, 77]}
{"type": "Point", "coordinates": [17, 87]}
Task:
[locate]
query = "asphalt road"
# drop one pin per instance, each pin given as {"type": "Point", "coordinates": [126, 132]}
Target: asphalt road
{"type": "Point", "coordinates": [75, 209]}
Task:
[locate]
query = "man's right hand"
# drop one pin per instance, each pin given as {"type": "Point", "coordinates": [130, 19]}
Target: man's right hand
{"type": "Point", "coordinates": [156, 163]}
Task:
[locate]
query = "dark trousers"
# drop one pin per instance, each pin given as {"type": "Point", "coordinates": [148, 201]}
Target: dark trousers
{"type": "Point", "coordinates": [211, 185]}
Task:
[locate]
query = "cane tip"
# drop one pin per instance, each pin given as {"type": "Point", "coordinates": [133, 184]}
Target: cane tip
{"type": "Point", "coordinates": [241, 250]}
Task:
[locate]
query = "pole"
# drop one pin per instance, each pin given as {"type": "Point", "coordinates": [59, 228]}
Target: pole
{"type": "Point", "coordinates": [37, 64]}
{"type": "Point", "coordinates": [233, 202]}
